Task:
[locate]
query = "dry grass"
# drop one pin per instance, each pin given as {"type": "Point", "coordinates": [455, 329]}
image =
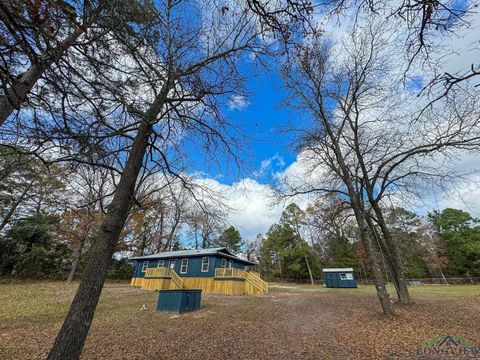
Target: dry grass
{"type": "Point", "coordinates": [293, 322]}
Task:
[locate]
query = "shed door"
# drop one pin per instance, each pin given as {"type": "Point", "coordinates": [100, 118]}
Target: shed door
{"type": "Point", "coordinates": [330, 280]}
{"type": "Point", "coordinates": [336, 282]}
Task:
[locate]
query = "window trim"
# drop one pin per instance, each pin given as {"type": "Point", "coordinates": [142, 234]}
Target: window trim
{"type": "Point", "coordinates": [205, 263]}
{"type": "Point", "coordinates": [343, 276]}
{"type": "Point", "coordinates": [229, 264]}
{"type": "Point", "coordinates": [160, 262]}
{"type": "Point", "coordinates": [144, 266]}
{"type": "Point", "coordinates": [170, 262]}
{"type": "Point", "coordinates": [182, 264]}
{"type": "Point", "coordinates": [224, 263]}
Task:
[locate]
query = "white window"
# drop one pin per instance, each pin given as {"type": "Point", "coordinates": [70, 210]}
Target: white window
{"type": "Point", "coordinates": [144, 266]}
{"type": "Point", "coordinates": [171, 264]}
{"type": "Point", "coordinates": [205, 263]}
{"type": "Point", "coordinates": [160, 263]}
{"type": "Point", "coordinates": [346, 277]}
{"type": "Point", "coordinates": [229, 264]}
{"type": "Point", "coordinates": [184, 267]}
{"type": "Point", "coordinates": [224, 263]}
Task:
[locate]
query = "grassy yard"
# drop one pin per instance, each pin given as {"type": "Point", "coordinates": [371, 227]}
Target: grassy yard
{"type": "Point", "coordinates": [455, 291]}
{"type": "Point", "coordinates": [292, 322]}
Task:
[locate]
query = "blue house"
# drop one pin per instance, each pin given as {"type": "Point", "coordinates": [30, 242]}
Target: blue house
{"type": "Point", "coordinates": [339, 278]}
{"type": "Point", "coordinates": [214, 270]}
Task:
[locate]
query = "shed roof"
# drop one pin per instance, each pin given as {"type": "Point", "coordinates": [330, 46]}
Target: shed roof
{"type": "Point", "coordinates": [338, 270]}
{"type": "Point", "coordinates": [193, 253]}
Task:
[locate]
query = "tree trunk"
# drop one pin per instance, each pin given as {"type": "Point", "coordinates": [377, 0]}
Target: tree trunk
{"type": "Point", "coordinates": [378, 279]}
{"type": "Point", "coordinates": [71, 338]}
{"type": "Point", "coordinates": [443, 277]}
{"type": "Point", "coordinates": [384, 249]}
{"type": "Point", "coordinates": [395, 260]}
{"type": "Point", "coordinates": [17, 93]}
{"type": "Point", "coordinates": [360, 216]}
{"type": "Point", "coordinates": [364, 273]}
{"type": "Point", "coordinates": [196, 238]}
{"type": "Point", "coordinates": [78, 255]}
{"type": "Point", "coordinates": [143, 244]}
{"type": "Point", "coordinates": [14, 207]}
{"type": "Point", "coordinates": [172, 233]}
{"type": "Point", "coordinates": [160, 238]}
{"type": "Point", "coordinates": [280, 267]}
{"type": "Point", "coordinates": [309, 270]}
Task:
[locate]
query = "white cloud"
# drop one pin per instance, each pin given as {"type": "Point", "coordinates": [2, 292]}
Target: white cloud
{"type": "Point", "coordinates": [463, 193]}
{"type": "Point", "coordinates": [466, 196]}
{"type": "Point", "coordinates": [462, 46]}
{"type": "Point", "coordinates": [255, 212]}
{"type": "Point", "coordinates": [268, 164]}
{"type": "Point", "coordinates": [251, 202]}
{"type": "Point", "coordinates": [238, 102]}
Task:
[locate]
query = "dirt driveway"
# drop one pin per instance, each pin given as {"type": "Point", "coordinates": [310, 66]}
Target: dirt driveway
{"type": "Point", "coordinates": [290, 323]}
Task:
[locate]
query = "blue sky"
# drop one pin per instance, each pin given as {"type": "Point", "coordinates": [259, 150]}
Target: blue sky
{"type": "Point", "coordinates": [261, 119]}
{"type": "Point", "coordinates": [269, 149]}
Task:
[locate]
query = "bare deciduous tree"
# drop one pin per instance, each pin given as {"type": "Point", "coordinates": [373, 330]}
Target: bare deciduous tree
{"type": "Point", "coordinates": [311, 92]}
{"type": "Point", "coordinates": [368, 142]}
{"type": "Point", "coordinates": [206, 223]}
{"type": "Point", "coordinates": [183, 72]}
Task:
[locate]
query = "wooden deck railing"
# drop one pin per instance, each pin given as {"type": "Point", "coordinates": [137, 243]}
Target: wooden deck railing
{"type": "Point", "coordinates": [157, 272]}
{"type": "Point", "coordinates": [166, 273]}
{"type": "Point", "coordinates": [230, 273]}
{"type": "Point", "coordinates": [249, 276]}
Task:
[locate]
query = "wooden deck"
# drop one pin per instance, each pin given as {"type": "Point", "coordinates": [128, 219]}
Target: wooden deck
{"type": "Point", "coordinates": [228, 281]}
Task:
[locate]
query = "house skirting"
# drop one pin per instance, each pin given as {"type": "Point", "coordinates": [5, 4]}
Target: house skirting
{"type": "Point", "coordinates": [226, 286]}
{"type": "Point", "coordinates": [137, 282]}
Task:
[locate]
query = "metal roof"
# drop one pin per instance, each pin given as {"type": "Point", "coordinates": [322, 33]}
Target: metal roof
{"type": "Point", "coordinates": [338, 270]}
{"type": "Point", "coordinates": [193, 252]}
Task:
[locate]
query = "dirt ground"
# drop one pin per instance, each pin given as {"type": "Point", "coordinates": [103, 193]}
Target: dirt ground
{"type": "Point", "coordinates": [291, 322]}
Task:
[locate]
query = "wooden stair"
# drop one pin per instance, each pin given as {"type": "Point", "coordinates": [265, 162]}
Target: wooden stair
{"type": "Point", "coordinates": [177, 280]}
{"type": "Point", "coordinates": [167, 273]}
{"type": "Point", "coordinates": [255, 280]}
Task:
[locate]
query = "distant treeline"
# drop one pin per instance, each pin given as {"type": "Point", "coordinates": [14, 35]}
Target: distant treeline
{"type": "Point", "coordinates": [442, 244]}
{"type": "Point", "coordinates": [33, 248]}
